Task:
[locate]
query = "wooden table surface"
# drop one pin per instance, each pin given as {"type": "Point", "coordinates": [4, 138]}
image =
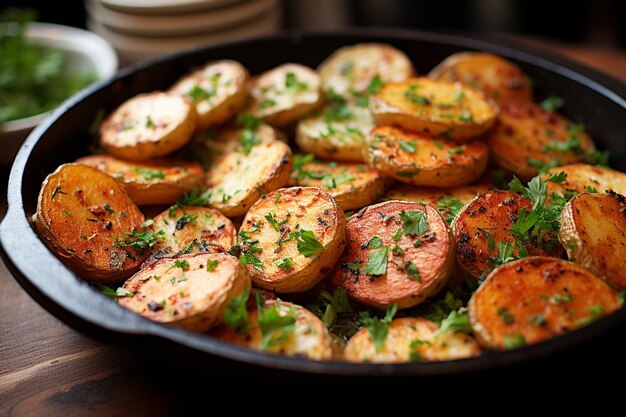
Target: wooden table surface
{"type": "Point", "coordinates": [48, 369]}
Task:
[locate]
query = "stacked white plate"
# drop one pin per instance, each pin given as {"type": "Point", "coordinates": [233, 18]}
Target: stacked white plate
{"type": "Point", "coordinates": [141, 29]}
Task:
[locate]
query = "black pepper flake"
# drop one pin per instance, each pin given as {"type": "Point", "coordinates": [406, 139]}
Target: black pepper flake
{"type": "Point", "coordinates": [152, 306]}
{"type": "Point", "coordinates": [519, 269]}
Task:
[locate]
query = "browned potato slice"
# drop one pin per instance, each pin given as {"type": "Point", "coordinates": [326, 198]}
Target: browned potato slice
{"type": "Point", "coordinates": [352, 68]}
{"type": "Point", "coordinates": [81, 214]}
{"type": "Point", "coordinates": [148, 125]}
{"type": "Point", "coordinates": [499, 78]}
{"type": "Point", "coordinates": [190, 292]}
{"type": "Point", "coordinates": [593, 228]}
{"type": "Point", "coordinates": [411, 339]}
{"type": "Point", "coordinates": [338, 135]}
{"type": "Point", "coordinates": [306, 336]}
{"type": "Point", "coordinates": [217, 90]}
{"type": "Point", "coordinates": [417, 159]}
{"type": "Point", "coordinates": [353, 186]}
{"type": "Point", "coordinates": [286, 93]}
{"type": "Point", "coordinates": [212, 145]}
{"type": "Point", "coordinates": [300, 235]}
{"type": "Point", "coordinates": [527, 137]}
{"type": "Point", "coordinates": [150, 182]}
{"type": "Point", "coordinates": [451, 110]}
{"type": "Point", "coordinates": [238, 180]}
{"type": "Point", "coordinates": [484, 224]}
{"type": "Point", "coordinates": [534, 299]}
{"type": "Point", "coordinates": [191, 229]}
{"type": "Point", "coordinates": [583, 177]}
{"type": "Point", "coordinates": [397, 252]}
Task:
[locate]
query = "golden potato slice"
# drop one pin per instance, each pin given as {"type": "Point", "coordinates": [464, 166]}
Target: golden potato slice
{"type": "Point", "coordinates": [238, 180]}
{"type": "Point", "coordinates": [191, 229]}
{"type": "Point", "coordinates": [411, 339]}
{"type": "Point", "coordinates": [534, 299]}
{"type": "Point", "coordinates": [482, 227]}
{"type": "Point", "coordinates": [190, 292]}
{"type": "Point", "coordinates": [417, 159]}
{"type": "Point", "coordinates": [435, 108]}
{"type": "Point", "coordinates": [593, 228]}
{"type": "Point", "coordinates": [586, 178]}
{"type": "Point", "coordinates": [82, 215]}
{"type": "Point", "coordinates": [153, 182]}
{"type": "Point", "coordinates": [303, 336]}
{"type": "Point", "coordinates": [353, 186]}
{"type": "Point", "coordinates": [397, 252]}
{"type": "Point", "coordinates": [527, 137]}
{"type": "Point", "coordinates": [449, 201]}
{"type": "Point", "coordinates": [148, 125]}
{"type": "Point", "coordinates": [336, 133]}
{"type": "Point", "coordinates": [286, 93]}
{"type": "Point", "coordinates": [352, 68]}
{"type": "Point", "coordinates": [217, 90]}
{"type": "Point", "coordinates": [499, 78]}
{"type": "Point", "coordinates": [299, 235]}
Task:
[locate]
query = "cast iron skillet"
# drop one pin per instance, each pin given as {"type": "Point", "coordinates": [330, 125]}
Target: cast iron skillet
{"type": "Point", "coordinates": [590, 98]}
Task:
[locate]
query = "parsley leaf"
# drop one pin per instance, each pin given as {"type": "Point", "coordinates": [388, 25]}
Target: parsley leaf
{"type": "Point", "coordinates": [292, 82]}
{"type": "Point", "coordinates": [408, 146]}
{"type": "Point", "coordinates": [275, 328]}
{"type": "Point", "coordinates": [236, 313]}
{"type": "Point", "coordinates": [182, 264]}
{"type": "Point", "coordinates": [374, 242]}
{"type": "Point", "coordinates": [139, 241]}
{"type": "Point", "coordinates": [455, 322]}
{"type": "Point", "coordinates": [557, 177]}
{"type": "Point", "coordinates": [552, 103]}
{"type": "Point", "coordinates": [308, 245]}
{"type": "Point", "coordinates": [211, 264]}
{"type": "Point", "coordinates": [414, 222]}
{"type": "Point", "coordinates": [378, 327]}
{"type": "Point", "coordinates": [285, 263]}
{"type": "Point", "coordinates": [377, 262]}
{"type": "Point", "coordinates": [449, 205]}
{"type": "Point", "coordinates": [249, 258]}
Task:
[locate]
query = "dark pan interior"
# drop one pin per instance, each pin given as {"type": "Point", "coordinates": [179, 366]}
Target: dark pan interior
{"type": "Point", "coordinates": [591, 98]}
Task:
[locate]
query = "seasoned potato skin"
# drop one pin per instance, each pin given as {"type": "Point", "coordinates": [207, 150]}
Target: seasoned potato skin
{"type": "Point", "coordinates": [152, 182]}
{"type": "Point", "coordinates": [490, 213]}
{"type": "Point", "coordinates": [401, 334]}
{"type": "Point", "coordinates": [285, 104]}
{"type": "Point", "coordinates": [593, 228]}
{"type": "Point", "coordinates": [195, 297]}
{"type": "Point", "coordinates": [340, 140]}
{"type": "Point", "coordinates": [434, 259]}
{"type": "Point", "coordinates": [432, 195]}
{"type": "Point", "coordinates": [309, 339]}
{"type": "Point", "coordinates": [192, 229]}
{"type": "Point", "coordinates": [73, 220]}
{"type": "Point", "coordinates": [226, 80]}
{"type": "Point", "coordinates": [352, 68]}
{"type": "Point", "coordinates": [312, 209]}
{"type": "Point", "coordinates": [537, 298]}
{"type": "Point", "coordinates": [499, 78]}
{"type": "Point", "coordinates": [522, 132]}
{"type": "Point", "coordinates": [363, 185]}
{"type": "Point", "coordinates": [582, 176]}
{"type": "Point", "coordinates": [434, 163]}
{"type": "Point", "coordinates": [434, 108]}
{"type": "Point", "coordinates": [238, 180]}
{"type": "Point", "coordinates": [148, 126]}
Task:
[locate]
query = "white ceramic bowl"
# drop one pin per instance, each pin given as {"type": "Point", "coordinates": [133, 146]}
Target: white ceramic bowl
{"type": "Point", "coordinates": [86, 52]}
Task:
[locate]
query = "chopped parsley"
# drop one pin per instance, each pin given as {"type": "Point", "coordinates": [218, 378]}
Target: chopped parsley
{"type": "Point", "coordinates": [149, 174]}
{"type": "Point", "coordinates": [411, 95]}
{"type": "Point", "coordinates": [374, 243]}
{"type": "Point", "coordinates": [377, 262]}
{"type": "Point", "coordinates": [211, 264]}
{"type": "Point", "coordinates": [67, 212]}
{"type": "Point", "coordinates": [408, 146]}
{"type": "Point", "coordinates": [108, 209]}
{"type": "Point", "coordinates": [236, 313]}
{"type": "Point", "coordinates": [308, 245]}
{"type": "Point", "coordinates": [414, 353]}
{"type": "Point", "coordinates": [150, 123]}
{"type": "Point", "coordinates": [292, 82]}
{"type": "Point", "coordinates": [515, 341]}
{"type": "Point", "coordinates": [56, 191]}
{"type": "Point", "coordinates": [379, 327]}
{"type": "Point", "coordinates": [114, 294]}
{"type": "Point", "coordinates": [275, 328]}
{"type": "Point", "coordinates": [139, 240]}
{"type": "Point", "coordinates": [249, 258]}
{"type": "Point", "coordinates": [198, 93]}
{"type": "Point", "coordinates": [178, 263]}
{"type": "Point", "coordinates": [449, 205]}
{"type": "Point", "coordinates": [454, 322]}
{"type": "Point", "coordinates": [552, 103]}
{"type": "Point", "coordinates": [413, 272]}
{"type": "Point", "coordinates": [506, 317]}
{"type": "Point", "coordinates": [285, 263]}
{"type": "Point", "coordinates": [278, 226]}
{"type": "Point", "coordinates": [414, 222]}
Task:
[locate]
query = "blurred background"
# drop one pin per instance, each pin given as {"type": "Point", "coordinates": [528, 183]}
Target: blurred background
{"type": "Point", "coordinates": [138, 29]}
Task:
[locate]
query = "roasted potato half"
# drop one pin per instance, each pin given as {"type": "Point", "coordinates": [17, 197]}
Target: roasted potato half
{"type": "Point", "coordinates": [291, 238]}
{"type": "Point", "coordinates": [534, 299]}
{"type": "Point", "coordinates": [482, 227]}
{"type": "Point", "coordinates": [499, 78]}
{"type": "Point", "coordinates": [417, 159]}
{"type": "Point", "coordinates": [586, 178]}
{"type": "Point", "coordinates": [191, 229]}
{"type": "Point", "coordinates": [284, 94]}
{"type": "Point", "coordinates": [190, 292]}
{"type": "Point", "coordinates": [149, 182]}
{"type": "Point", "coordinates": [411, 339]}
{"type": "Point", "coordinates": [435, 108]}
{"type": "Point", "coordinates": [238, 180]}
{"type": "Point", "coordinates": [593, 232]}
{"type": "Point", "coordinates": [397, 252]}
{"type": "Point", "coordinates": [336, 133]}
{"type": "Point", "coordinates": [82, 214]}
{"type": "Point", "coordinates": [217, 90]}
{"type": "Point", "coordinates": [351, 69]}
{"type": "Point", "coordinates": [148, 126]}
{"type": "Point", "coordinates": [353, 186]}
{"type": "Point", "coordinates": [302, 333]}
{"type": "Point", "coordinates": [527, 138]}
